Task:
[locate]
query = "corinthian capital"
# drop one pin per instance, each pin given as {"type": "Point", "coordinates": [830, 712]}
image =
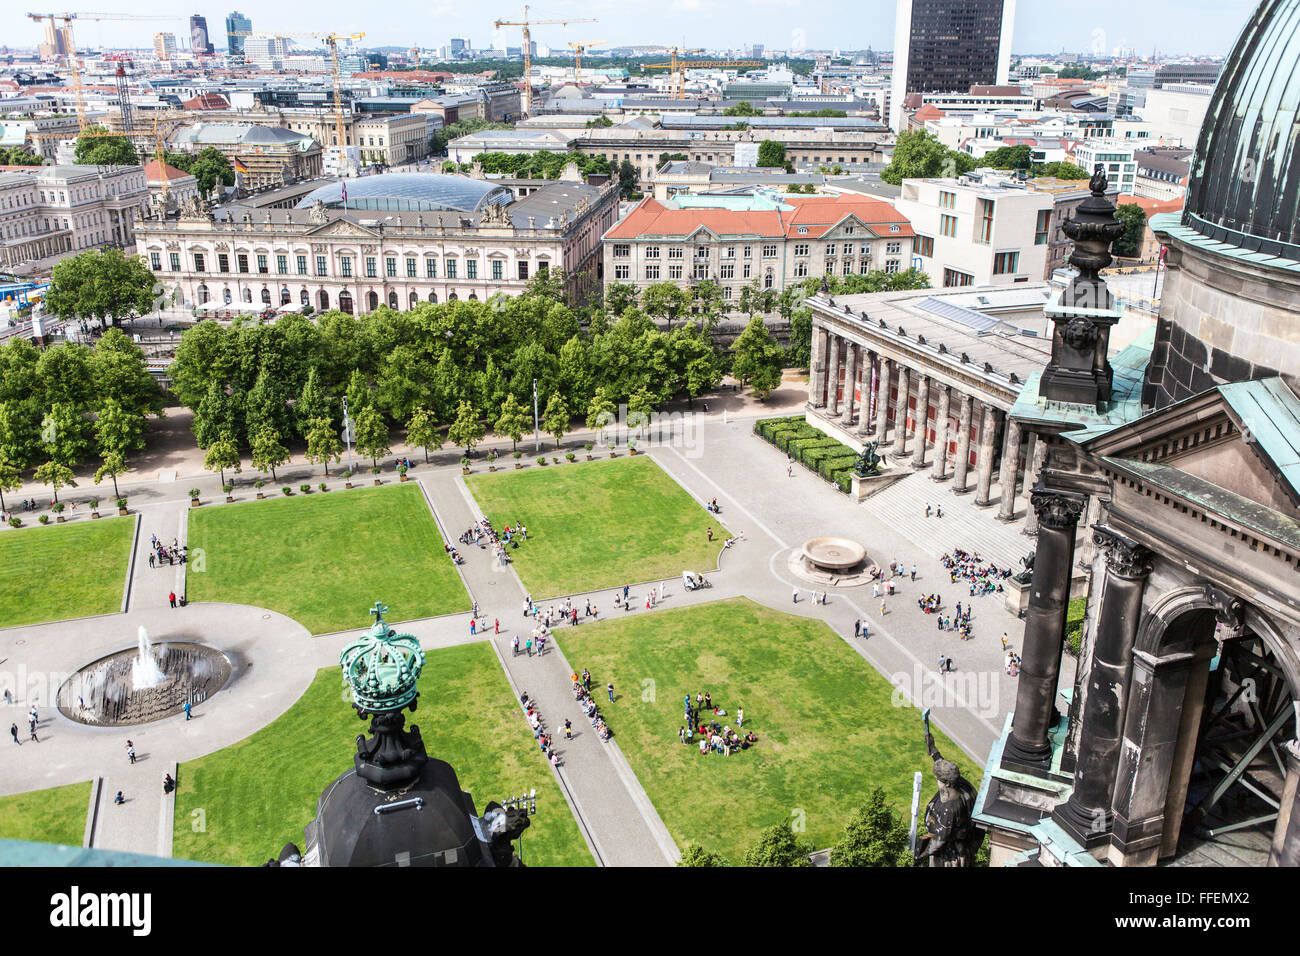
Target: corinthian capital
{"type": "Point", "coordinates": [1124, 556]}
{"type": "Point", "coordinates": [1056, 509]}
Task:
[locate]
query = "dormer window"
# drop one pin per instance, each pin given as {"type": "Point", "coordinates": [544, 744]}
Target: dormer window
{"type": "Point", "coordinates": [803, 230]}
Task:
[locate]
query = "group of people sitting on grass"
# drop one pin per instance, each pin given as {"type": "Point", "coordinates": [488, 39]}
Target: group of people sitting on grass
{"type": "Point", "coordinates": [588, 705]}
{"type": "Point", "coordinates": [983, 578]}
{"type": "Point", "coordinates": [711, 735]}
{"type": "Point", "coordinates": [453, 554]}
{"type": "Point", "coordinates": [534, 717]}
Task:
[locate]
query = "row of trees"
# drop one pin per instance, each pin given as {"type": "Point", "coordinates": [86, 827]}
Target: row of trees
{"type": "Point", "coordinates": [208, 166]}
{"type": "Point", "coordinates": [19, 156]}
{"type": "Point", "coordinates": [71, 404]}
{"type": "Point", "coordinates": [543, 164]}
{"type": "Point", "coordinates": [1022, 157]}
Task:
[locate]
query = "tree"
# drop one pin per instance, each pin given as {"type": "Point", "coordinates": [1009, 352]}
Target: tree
{"type": "Point", "coordinates": [55, 474]}
{"type": "Point", "coordinates": [628, 179]}
{"type": "Point", "coordinates": [323, 443]}
{"type": "Point", "coordinates": [1063, 170]}
{"type": "Point", "coordinates": [771, 153]}
{"type": "Point", "coordinates": [102, 284]}
{"type": "Point", "coordinates": [19, 156]}
{"type": "Point", "coordinates": [116, 433]}
{"type": "Point", "coordinates": [799, 353]}
{"type": "Point", "coordinates": [1009, 157]}
{"type": "Point", "coordinates": [600, 412]}
{"type": "Point", "coordinates": [666, 300]}
{"type": "Point", "coordinates": [743, 108]}
{"type": "Point", "coordinates": [1134, 218]}
{"type": "Point", "coordinates": [268, 453]}
{"type": "Point", "coordinates": [874, 836]}
{"type": "Point", "coordinates": [557, 417]}
{"type": "Point", "coordinates": [423, 432]}
{"type": "Point", "coordinates": [214, 417]}
{"type": "Point", "coordinates": [696, 855]}
{"type": "Point", "coordinates": [211, 168]}
{"type": "Point", "coordinates": [758, 359]}
{"type": "Point", "coordinates": [372, 434]}
{"type": "Point", "coordinates": [778, 846]}
{"type": "Point", "coordinates": [512, 421]}
{"type": "Point", "coordinates": [19, 434]}
{"type": "Point", "coordinates": [311, 404]}
{"type": "Point", "coordinates": [266, 403]}
{"type": "Point", "coordinates": [466, 430]}
{"type": "Point", "coordinates": [11, 477]}
{"type": "Point", "coordinates": [619, 296]}
{"type": "Point", "coordinates": [640, 406]}
{"type": "Point", "coordinates": [103, 150]}
{"type": "Point", "coordinates": [222, 454]}
{"type": "Point", "coordinates": [920, 155]}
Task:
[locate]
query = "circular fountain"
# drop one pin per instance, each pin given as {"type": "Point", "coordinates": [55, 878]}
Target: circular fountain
{"type": "Point", "coordinates": [145, 683]}
{"type": "Point", "coordinates": [832, 562]}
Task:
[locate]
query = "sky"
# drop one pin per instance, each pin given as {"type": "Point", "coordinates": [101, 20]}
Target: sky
{"type": "Point", "coordinates": [1170, 26]}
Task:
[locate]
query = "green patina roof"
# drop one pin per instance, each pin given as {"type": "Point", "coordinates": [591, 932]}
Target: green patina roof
{"type": "Point", "coordinates": [28, 853]}
{"type": "Point", "coordinates": [1084, 421]}
{"type": "Point", "coordinates": [1270, 412]}
{"type": "Point", "coordinates": [1171, 224]}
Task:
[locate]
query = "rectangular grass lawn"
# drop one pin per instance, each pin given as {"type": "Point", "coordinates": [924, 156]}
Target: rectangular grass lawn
{"type": "Point", "coordinates": [827, 729]}
{"type": "Point", "coordinates": [63, 570]}
{"type": "Point", "coordinates": [55, 815]}
{"type": "Point", "coordinates": [257, 795]}
{"type": "Point", "coordinates": [324, 558]}
{"type": "Point", "coordinates": [599, 524]}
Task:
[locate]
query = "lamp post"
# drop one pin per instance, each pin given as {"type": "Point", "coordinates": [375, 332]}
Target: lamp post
{"type": "Point", "coordinates": [537, 435]}
{"type": "Point", "coordinates": [347, 432]}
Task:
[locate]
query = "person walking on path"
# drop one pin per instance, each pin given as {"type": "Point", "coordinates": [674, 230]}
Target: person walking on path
{"type": "Point", "coordinates": [568, 729]}
{"type": "Point", "coordinates": [151, 559]}
{"type": "Point", "coordinates": [914, 572]}
{"type": "Point", "coordinates": [789, 471]}
{"type": "Point", "coordinates": [1004, 640]}
{"type": "Point", "coordinates": [187, 710]}
{"type": "Point", "coordinates": [514, 646]}
{"type": "Point", "coordinates": [473, 625]}
{"type": "Point", "coordinates": [882, 609]}
{"type": "Point", "coordinates": [864, 630]}
{"type": "Point", "coordinates": [171, 598]}
{"type": "Point", "coordinates": [794, 597]}
{"type": "Point", "coordinates": [13, 732]}
{"type": "Point", "coordinates": [528, 646]}
{"type": "Point", "coordinates": [710, 533]}
{"type": "Point", "coordinates": [857, 628]}
{"type": "Point", "coordinates": [130, 754]}
{"type": "Point", "coordinates": [496, 623]}
{"type": "Point", "coordinates": [610, 687]}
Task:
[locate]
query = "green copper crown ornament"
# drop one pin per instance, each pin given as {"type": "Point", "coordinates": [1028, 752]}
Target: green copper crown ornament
{"type": "Point", "coordinates": [382, 667]}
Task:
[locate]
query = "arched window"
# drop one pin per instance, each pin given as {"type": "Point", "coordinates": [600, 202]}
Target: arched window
{"type": "Point", "coordinates": [285, 295]}
{"type": "Point", "coordinates": [392, 300]}
{"type": "Point", "coordinates": [473, 297]}
{"type": "Point", "coordinates": [433, 297]}
{"type": "Point", "coordinates": [767, 280]}
{"type": "Point", "coordinates": [304, 298]}
{"type": "Point", "coordinates": [345, 302]}
{"type": "Point", "coordinates": [203, 294]}
{"type": "Point", "coordinates": [225, 295]}
{"type": "Point", "coordinates": [266, 296]}
{"type": "Point", "coordinates": [452, 297]}
{"type": "Point", "coordinates": [323, 298]}
{"type": "Point", "coordinates": [413, 300]}
{"type": "Point", "coordinates": [247, 295]}
{"type": "Point", "coordinates": [372, 301]}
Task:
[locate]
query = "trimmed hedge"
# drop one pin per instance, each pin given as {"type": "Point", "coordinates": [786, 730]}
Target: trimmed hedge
{"type": "Point", "coordinates": [821, 454]}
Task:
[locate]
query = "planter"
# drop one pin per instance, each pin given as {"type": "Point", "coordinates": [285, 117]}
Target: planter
{"type": "Point", "coordinates": [464, 471]}
{"type": "Point", "coordinates": [613, 454]}
{"type": "Point", "coordinates": [347, 484]}
{"type": "Point", "coordinates": [633, 451]}
{"type": "Point", "coordinates": [121, 511]}
{"type": "Point", "coordinates": [94, 514]}
{"type": "Point", "coordinates": [194, 502]}
{"type": "Point", "coordinates": [60, 519]}
{"type": "Point", "coordinates": [518, 465]}
{"type": "Point", "coordinates": [402, 478]}
{"type": "Point", "coordinates": [260, 496]}
{"type": "Point", "coordinates": [589, 458]}
{"type": "Point", "coordinates": [492, 467]}
{"type": "Point", "coordinates": [229, 499]}
{"type": "Point", "coordinates": [378, 481]}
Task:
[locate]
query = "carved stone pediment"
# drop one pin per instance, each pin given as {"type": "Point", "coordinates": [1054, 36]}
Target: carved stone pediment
{"type": "Point", "coordinates": [343, 229]}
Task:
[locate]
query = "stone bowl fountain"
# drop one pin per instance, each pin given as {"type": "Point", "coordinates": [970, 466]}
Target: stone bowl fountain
{"type": "Point", "coordinates": [143, 684]}
{"type": "Point", "coordinates": [831, 562]}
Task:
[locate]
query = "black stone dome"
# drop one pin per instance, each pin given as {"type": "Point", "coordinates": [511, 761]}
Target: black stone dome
{"type": "Point", "coordinates": [1244, 187]}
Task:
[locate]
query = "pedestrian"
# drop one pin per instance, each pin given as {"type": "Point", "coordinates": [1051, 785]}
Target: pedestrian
{"type": "Point", "coordinates": [710, 533]}
{"type": "Point", "coordinates": [789, 471]}
{"type": "Point", "coordinates": [740, 716]}
{"type": "Point", "coordinates": [795, 596]}
{"type": "Point", "coordinates": [939, 511]}
{"type": "Point", "coordinates": [882, 608]}
{"type": "Point", "coordinates": [473, 627]}
{"type": "Point", "coordinates": [130, 754]}
{"type": "Point", "coordinates": [514, 646]}
{"type": "Point", "coordinates": [171, 598]}
{"type": "Point", "coordinates": [857, 628]}
{"type": "Point", "coordinates": [875, 590]}
{"type": "Point", "coordinates": [586, 679]}
{"type": "Point", "coordinates": [864, 630]}
{"type": "Point", "coordinates": [625, 592]}
{"type": "Point", "coordinates": [151, 560]}
{"type": "Point", "coordinates": [187, 710]}
{"type": "Point", "coordinates": [528, 646]}
{"type": "Point", "coordinates": [119, 799]}
{"type": "Point", "coordinates": [914, 572]}
{"type": "Point", "coordinates": [13, 732]}
{"type": "Point", "coordinates": [568, 729]}
{"type": "Point", "coordinates": [610, 687]}
{"type": "Point", "coordinates": [1004, 640]}
{"type": "Point", "coordinates": [927, 510]}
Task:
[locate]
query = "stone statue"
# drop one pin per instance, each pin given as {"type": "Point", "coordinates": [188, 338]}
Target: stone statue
{"type": "Point", "coordinates": [951, 835]}
{"type": "Point", "coordinates": [317, 214]}
{"type": "Point", "coordinates": [1027, 575]}
{"type": "Point", "coordinates": [868, 463]}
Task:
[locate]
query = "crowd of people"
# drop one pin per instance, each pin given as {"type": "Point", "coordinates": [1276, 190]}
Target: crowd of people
{"type": "Point", "coordinates": [587, 704]}
{"type": "Point", "coordinates": [540, 733]}
{"type": "Point", "coordinates": [983, 578]}
{"type": "Point", "coordinates": [160, 552]}
{"type": "Point", "coordinates": [712, 736]}
{"type": "Point", "coordinates": [485, 535]}
{"type": "Point", "coordinates": [566, 613]}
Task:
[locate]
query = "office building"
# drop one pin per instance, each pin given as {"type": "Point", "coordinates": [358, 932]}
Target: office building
{"type": "Point", "coordinates": [199, 42]}
{"type": "Point", "coordinates": [237, 24]}
{"type": "Point", "coordinates": [164, 46]}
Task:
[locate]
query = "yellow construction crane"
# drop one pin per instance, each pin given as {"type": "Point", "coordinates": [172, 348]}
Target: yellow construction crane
{"type": "Point", "coordinates": [578, 48]}
{"type": "Point", "coordinates": [679, 66]}
{"type": "Point", "coordinates": [67, 18]}
{"type": "Point", "coordinates": [332, 41]}
{"type": "Point", "coordinates": [528, 53]}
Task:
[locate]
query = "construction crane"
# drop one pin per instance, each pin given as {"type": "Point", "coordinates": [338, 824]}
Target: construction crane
{"type": "Point", "coordinates": [124, 63]}
{"type": "Point", "coordinates": [78, 93]}
{"type": "Point", "coordinates": [528, 53]}
{"type": "Point", "coordinates": [578, 48]}
{"type": "Point", "coordinates": [332, 41]}
{"type": "Point", "coordinates": [679, 66]}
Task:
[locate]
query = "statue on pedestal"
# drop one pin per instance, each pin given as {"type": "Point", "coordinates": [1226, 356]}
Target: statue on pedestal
{"type": "Point", "coordinates": [868, 463]}
{"type": "Point", "coordinates": [951, 835]}
{"type": "Point", "coordinates": [1027, 575]}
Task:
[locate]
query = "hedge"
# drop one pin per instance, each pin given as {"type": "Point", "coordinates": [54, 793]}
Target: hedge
{"type": "Point", "coordinates": [821, 454]}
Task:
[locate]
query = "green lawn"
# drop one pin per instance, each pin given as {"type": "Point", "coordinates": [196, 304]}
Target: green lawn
{"type": "Point", "coordinates": [63, 570]}
{"type": "Point", "coordinates": [258, 794]}
{"type": "Point", "coordinates": [324, 558]}
{"type": "Point", "coordinates": [56, 815]}
{"type": "Point", "coordinates": [828, 731]}
{"type": "Point", "coordinates": [599, 524]}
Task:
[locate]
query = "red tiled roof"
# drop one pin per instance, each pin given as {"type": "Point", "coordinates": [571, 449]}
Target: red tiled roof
{"type": "Point", "coordinates": [817, 214]}
{"type": "Point", "coordinates": [207, 101]}
{"type": "Point", "coordinates": [1152, 207]}
{"type": "Point", "coordinates": [928, 112]}
{"type": "Point", "coordinates": [153, 172]}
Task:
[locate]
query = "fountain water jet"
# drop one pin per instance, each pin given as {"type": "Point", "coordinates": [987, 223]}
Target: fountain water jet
{"type": "Point", "coordinates": [145, 671]}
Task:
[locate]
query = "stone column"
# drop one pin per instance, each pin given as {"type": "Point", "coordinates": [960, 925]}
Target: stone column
{"type": "Point", "coordinates": [941, 435]}
{"type": "Point", "coordinates": [850, 381]}
{"type": "Point", "coordinates": [923, 421]}
{"type": "Point", "coordinates": [1028, 747]}
{"type": "Point", "coordinates": [984, 477]}
{"type": "Point", "coordinates": [866, 362]}
{"type": "Point", "coordinates": [1039, 445]}
{"type": "Point", "coordinates": [1286, 836]}
{"type": "Point", "coordinates": [833, 378]}
{"type": "Point", "coordinates": [817, 374]}
{"type": "Point", "coordinates": [1088, 553]}
{"type": "Point", "coordinates": [1087, 814]}
{"type": "Point", "coordinates": [961, 464]}
{"type": "Point", "coordinates": [1010, 470]}
{"type": "Point", "coordinates": [900, 414]}
{"type": "Point", "coordinates": [1158, 691]}
{"type": "Point", "coordinates": [882, 404]}
{"type": "Point", "coordinates": [1026, 481]}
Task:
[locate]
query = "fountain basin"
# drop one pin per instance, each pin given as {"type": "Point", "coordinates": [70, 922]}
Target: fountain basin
{"type": "Point", "coordinates": [834, 554]}
{"type": "Point", "coordinates": [114, 696]}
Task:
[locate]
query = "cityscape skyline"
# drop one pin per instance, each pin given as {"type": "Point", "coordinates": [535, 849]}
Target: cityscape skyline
{"type": "Point", "coordinates": [1191, 28]}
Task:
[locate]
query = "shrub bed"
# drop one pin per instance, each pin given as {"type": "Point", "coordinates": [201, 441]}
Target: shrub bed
{"type": "Point", "coordinates": [826, 457]}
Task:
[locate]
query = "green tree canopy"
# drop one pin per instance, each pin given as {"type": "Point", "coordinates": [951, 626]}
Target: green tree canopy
{"type": "Point", "coordinates": [466, 430]}
{"type": "Point", "coordinates": [771, 153]}
{"type": "Point", "coordinates": [268, 453]}
{"type": "Point", "coordinates": [874, 836]}
{"type": "Point", "coordinates": [371, 434]}
{"type": "Point", "coordinates": [223, 453]}
{"type": "Point", "coordinates": [323, 445]}
{"type": "Point", "coordinates": [778, 846]}
{"type": "Point", "coordinates": [695, 855]}
{"type": "Point", "coordinates": [758, 359]}
{"type": "Point", "coordinates": [422, 431]}
{"type": "Point", "coordinates": [512, 422]}
{"type": "Point", "coordinates": [919, 155]}
{"type": "Point", "coordinates": [1134, 218]}
{"type": "Point", "coordinates": [556, 418]}
{"type": "Point", "coordinates": [103, 150]}
{"type": "Point", "coordinates": [103, 284]}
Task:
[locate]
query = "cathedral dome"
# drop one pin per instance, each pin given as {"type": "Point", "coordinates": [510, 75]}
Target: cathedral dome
{"type": "Point", "coordinates": [1244, 188]}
